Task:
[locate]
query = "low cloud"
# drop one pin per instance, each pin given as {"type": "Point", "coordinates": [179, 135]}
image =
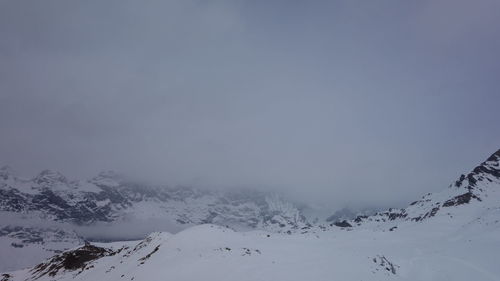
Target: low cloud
{"type": "Point", "coordinates": [129, 229]}
{"type": "Point", "coordinates": [340, 103]}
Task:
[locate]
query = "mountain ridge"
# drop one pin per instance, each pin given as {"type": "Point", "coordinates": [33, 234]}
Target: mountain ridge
{"type": "Point", "coordinates": [467, 189]}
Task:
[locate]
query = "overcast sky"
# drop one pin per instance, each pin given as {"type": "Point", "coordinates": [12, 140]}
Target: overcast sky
{"type": "Point", "coordinates": [347, 101]}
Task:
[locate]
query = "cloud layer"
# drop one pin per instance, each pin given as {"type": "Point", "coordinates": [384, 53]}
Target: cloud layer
{"type": "Point", "coordinates": [343, 102]}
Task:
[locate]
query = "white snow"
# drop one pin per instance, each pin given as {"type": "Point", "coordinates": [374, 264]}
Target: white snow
{"type": "Point", "coordinates": [424, 251]}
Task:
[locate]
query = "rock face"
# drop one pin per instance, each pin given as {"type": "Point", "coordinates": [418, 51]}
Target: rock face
{"type": "Point", "coordinates": [70, 260]}
{"type": "Point", "coordinates": [342, 224]}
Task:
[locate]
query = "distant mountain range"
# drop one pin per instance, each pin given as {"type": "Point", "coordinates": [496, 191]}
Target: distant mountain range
{"type": "Point", "coordinates": [109, 198]}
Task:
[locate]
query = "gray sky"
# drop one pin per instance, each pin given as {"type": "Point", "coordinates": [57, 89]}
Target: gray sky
{"type": "Point", "coordinates": [348, 101]}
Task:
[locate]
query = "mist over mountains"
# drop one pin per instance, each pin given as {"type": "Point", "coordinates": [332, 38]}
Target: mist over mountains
{"type": "Point", "coordinates": [310, 100]}
{"type": "Point", "coordinates": [76, 208]}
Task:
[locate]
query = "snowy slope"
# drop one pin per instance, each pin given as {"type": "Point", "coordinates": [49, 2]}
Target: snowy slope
{"type": "Point", "coordinates": [451, 235]}
{"type": "Point", "coordinates": [209, 252]}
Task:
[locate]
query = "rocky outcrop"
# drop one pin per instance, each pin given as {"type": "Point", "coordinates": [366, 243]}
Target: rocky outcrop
{"type": "Point", "coordinates": [71, 260]}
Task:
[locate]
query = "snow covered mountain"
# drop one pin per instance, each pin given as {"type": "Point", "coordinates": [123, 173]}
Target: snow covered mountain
{"type": "Point", "coordinates": [29, 206]}
{"type": "Point", "coordinates": [471, 195]}
{"type": "Point", "coordinates": [108, 198]}
{"type": "Point", "coordinates": [451, 235]}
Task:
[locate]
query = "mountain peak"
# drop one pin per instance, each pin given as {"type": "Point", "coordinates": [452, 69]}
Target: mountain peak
{"type": "Point", "coordinates": [49, 178]}
{"type": "Point", "coordinates": [107, 178]}
{"type": "Point", "coordinates": [494, 159]}
{"type": "Point", "coordinates": [488, 170]}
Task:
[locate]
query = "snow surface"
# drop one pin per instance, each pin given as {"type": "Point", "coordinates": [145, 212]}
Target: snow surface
{"type": "Point", "coordinates": [431, 250]}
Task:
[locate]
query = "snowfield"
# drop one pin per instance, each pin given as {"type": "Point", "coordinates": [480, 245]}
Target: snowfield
{"type": "Point", "coordinates": [431, 250]}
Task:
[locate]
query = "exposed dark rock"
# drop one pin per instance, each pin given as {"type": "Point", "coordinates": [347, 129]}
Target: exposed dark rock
{"type": "Point", "coordinates": [383, 262]}
{"type": "Point", "coordinates": [71, 260]}
{"type": "Point", "coordinates": [16, 245]}
{"type": "Point", "coordinates": [77, 258]}
{"type": "Point", "coordinates": [490, 167]}
{"type": "Point", "coordinates": [343, 223]}
{"type": "Point", "coordinates": [150, 254]}
{"type": "Point", "coordinates": [358, 219]}
{"type": "Point", "coordinates": [431, 213]}
{"type": "Point", "coordinates": [461, 199]}
{"type": "Point", "coordinates": [394, 215]}
{"type": "Point", "coordinates": [459, 182]}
